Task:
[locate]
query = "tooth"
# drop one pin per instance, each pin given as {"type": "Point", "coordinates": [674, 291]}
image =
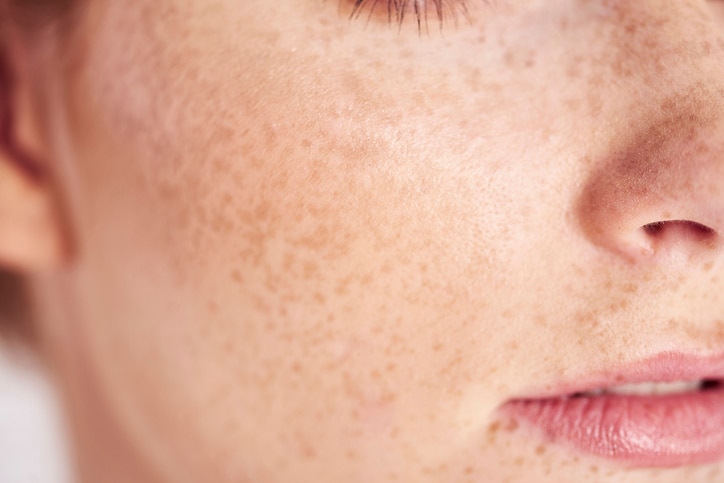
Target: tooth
{"type": "Point", "coordinates": [650, 388]}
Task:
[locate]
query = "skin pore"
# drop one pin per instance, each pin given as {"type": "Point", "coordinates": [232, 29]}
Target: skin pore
{"type": "Point", "coordinates": [309, 248]}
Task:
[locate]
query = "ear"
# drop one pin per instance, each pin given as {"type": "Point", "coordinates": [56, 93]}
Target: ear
{"type": "Point", "coordinates": [30, 234]}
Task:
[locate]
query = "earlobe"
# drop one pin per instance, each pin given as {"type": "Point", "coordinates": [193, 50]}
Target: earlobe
{"type": "Point", "coordinates": [30, 228]}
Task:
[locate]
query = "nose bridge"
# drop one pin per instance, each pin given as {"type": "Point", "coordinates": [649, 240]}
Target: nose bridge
{"type": "Point", "coordinates": [664, 165]}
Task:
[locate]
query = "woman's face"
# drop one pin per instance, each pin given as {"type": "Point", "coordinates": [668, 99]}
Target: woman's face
{"type": "Point", "coordinates": [310, 248]}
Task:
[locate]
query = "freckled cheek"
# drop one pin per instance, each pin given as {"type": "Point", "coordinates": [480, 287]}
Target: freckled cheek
{"type": "Point", "coordinates": [313, 265]}
{"type": "Point", "coordinates": [319, 284]}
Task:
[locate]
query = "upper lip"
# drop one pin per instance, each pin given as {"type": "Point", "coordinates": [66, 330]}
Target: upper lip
{"type": "Point", "coordinates": [662, 367]}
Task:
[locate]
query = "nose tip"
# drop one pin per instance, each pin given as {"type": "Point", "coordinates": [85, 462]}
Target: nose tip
{"type": "Point", "coordinates": [659, 191]}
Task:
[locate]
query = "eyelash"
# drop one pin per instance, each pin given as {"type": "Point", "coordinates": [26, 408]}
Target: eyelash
{"type": "Point", "coordinates": [399, 10]}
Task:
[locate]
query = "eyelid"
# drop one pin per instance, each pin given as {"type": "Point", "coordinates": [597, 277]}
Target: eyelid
{"type": "Point", "coordinates": [422, 11]}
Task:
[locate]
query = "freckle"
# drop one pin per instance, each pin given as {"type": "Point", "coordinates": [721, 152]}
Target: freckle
{"type": "Point", "coordinates": [213, 307]}
{"type": "Point", "coordinates": [221, 165]}
{"type": "Point", "coordinates": [361, 50]}
{"type": "Point", "coordinates": [227, 199]}
{"type": "Point", "coordinates": [308, 452]}
{"type": "Point", "coordinates": [508, 58]}
{"type": "Point", "coordinates": [540, 450]}
{"type": "Point", "coordinates": [366, 279]}
{"type": "Point", "coordinates": [310, 269]}
{"type": "Point", "coordinates": [630, 288]}
{"type": "Point", "coordinates": [493, 431]}
{"type": "Point", "coordinates": [306, 143]}
{"type": "Point", "coordinates": [512, 425]}
{"type": "Point", "coordinates": [229, 347]}
{"type": "Point", "coordinates": [237, 277]}
{"type": "Point", "coordinates": [343, 286]}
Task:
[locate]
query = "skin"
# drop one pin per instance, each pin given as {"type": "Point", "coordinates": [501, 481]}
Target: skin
{"type": "Point", "coordinates": [304, 248]}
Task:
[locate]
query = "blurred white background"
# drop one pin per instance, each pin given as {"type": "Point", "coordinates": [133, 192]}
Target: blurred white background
{"type": "Point", "coordinates": [32, 443]}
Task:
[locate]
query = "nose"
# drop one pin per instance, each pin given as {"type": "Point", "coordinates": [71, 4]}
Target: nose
{"type": "Point", "coordinates": [657, 189]}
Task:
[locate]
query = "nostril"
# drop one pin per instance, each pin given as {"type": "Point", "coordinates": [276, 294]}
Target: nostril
{"type": "Point", "coordinates": [654, 229]}
{"type": "Point", "coordinates": [698, 230]}
{"type": "Point", "coordinates": [672, 233]}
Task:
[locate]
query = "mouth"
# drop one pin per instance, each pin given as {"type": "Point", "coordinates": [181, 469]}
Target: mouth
{"type": "Point", "coordinates": [664, 412]}
{"type": "Point", "coordinates": [653, 388]}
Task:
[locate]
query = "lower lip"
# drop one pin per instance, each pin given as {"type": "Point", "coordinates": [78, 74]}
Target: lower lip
{"type": "Point", "coordinates": [653, 431]}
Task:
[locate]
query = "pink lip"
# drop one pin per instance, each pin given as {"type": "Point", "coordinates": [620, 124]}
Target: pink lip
{"type": "Point", "coordinates": [656, 431]}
